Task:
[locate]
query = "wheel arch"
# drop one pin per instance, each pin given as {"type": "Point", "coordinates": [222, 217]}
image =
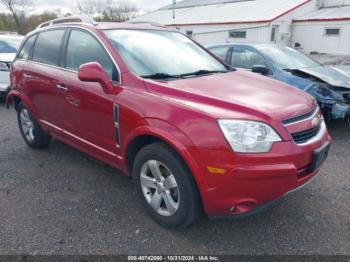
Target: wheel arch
{"type": "Point", "coordinates": [179, 144]}
{"type": "Point", "coordinates": [15, 97]}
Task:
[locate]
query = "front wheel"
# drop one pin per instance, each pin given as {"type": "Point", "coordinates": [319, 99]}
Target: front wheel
{"type": "Point", "coordinates": [31, 132]}
{"type": "Point", "coordinates": [166, 187]}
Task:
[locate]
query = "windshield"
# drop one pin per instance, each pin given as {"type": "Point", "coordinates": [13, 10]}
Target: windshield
{"type": "Point", "coordinates": [288, 58]}
{"type": "Point", "coordinates": [162, 54]}
{"type": "Point", "coordinates": [9, 45]}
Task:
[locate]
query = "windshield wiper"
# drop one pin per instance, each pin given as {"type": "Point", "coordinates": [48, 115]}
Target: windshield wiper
{"type": "Point", "coordinates": [159, 76]}
{"type": "Point", "coordinates": [205, 72]}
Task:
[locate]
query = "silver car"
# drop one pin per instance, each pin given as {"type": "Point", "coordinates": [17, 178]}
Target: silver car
{"type": "Point", "coordinates": [9, 44]}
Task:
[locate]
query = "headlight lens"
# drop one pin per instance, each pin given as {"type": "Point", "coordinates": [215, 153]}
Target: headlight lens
{"type": "Point", "coordinates": [4, 67]}
{"type": "Point", "coordinates": [249, 136]}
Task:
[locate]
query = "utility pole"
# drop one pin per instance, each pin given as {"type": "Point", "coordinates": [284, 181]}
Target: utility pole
{"type": "Point", "coordinates": [174, 3]}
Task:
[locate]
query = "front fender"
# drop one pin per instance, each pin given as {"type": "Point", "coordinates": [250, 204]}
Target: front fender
{"type": "Point", "coordinates": [175, 138]}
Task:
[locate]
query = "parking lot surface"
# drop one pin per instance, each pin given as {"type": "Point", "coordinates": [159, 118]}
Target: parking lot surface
{"type": "Point", "coordinates": [60, 201]}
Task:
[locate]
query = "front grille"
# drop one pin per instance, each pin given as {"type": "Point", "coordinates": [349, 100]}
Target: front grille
{"type": "Point", "coordinates": [299, 118]}
{"type": "Point", "coordinates": [304, 136]}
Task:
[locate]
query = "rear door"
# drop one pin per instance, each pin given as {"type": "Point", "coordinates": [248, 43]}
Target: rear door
{"type": "Point", "coordinates": [88, 110]}
{"type": "Point", "coordinates": [39, 76]}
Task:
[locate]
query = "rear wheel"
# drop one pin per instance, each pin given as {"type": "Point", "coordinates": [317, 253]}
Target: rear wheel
{"type": "Point", "coordinates": [31, 132]}
{"type": "Point", "coordinates": [166, 187]}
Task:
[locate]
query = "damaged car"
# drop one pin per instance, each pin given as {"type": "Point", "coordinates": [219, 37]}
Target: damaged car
{"type": "Point", "coordinates": [330, 85]}
{"type": "Point", "coordinates": [9, 44]}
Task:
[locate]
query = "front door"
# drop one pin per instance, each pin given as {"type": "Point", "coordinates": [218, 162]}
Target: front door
{"type": "Point", "coordinates": [88, 110]}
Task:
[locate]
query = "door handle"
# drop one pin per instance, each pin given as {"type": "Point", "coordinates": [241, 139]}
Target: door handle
{"type": "Point", "coordinates": [27, 77]}
{"type": "Point", "coordinates": [62, 88]}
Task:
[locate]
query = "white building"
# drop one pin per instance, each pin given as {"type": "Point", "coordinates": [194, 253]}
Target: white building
{"type": "Point", "coordinates": [284, 22]}
{"type": "Point", "coordinates": [326, 30]}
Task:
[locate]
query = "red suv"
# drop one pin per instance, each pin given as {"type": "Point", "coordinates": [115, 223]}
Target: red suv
{"type": "Point", "coordinates": [196, 135]}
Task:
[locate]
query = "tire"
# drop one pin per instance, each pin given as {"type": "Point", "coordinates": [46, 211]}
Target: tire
{"type": "Point", "coordinates": [176, 188]}
{"type": "Point", "coordinates": [31, 131]}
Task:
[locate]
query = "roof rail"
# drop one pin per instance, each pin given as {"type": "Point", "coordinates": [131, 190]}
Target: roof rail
{"type": "Point", "coordinates": [81, 18]}
{"type": "Point", "coordinates": [147, 22]}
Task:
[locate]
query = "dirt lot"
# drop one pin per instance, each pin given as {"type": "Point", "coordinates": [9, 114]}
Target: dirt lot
{"type": "Point", "coordinates": [59, 201]}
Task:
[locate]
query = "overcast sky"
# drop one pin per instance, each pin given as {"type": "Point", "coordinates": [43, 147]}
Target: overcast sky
{"type": "Point", "coordinates": [70, 5]}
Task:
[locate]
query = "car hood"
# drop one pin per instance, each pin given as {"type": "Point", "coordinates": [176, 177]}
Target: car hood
{"type": "Point", "coordinates": [7, 57]}
{"type": "Point", "coordinates": [332, 75]}
{"type": "Point", "coordinates": [229, 94]}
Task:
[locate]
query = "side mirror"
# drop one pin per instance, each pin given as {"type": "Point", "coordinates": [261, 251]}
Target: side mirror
{"type": "Point", "coordinates": [93, 72]}
{"type": "Point", "coordinates": [260, 69]}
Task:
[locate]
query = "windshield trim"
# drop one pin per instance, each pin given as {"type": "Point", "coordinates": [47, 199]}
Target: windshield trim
{"type": "Point", "coordinates": [226, 66]}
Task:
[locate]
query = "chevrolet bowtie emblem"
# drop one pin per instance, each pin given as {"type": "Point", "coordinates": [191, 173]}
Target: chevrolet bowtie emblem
{"type": "Point", "coordinates": [316, 121]}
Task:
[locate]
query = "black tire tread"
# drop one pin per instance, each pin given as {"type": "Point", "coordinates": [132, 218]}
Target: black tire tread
{"type": "Point", "coordinates": [42, 140]}
{"type": "Point", "coordinates": [189, 212]}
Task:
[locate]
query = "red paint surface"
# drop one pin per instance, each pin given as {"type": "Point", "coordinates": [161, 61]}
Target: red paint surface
{"type": "Point", "coordinates": [183, 114]}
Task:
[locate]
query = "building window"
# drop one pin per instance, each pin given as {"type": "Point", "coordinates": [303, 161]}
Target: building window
{"type": "Point", "coordinates": [189, 33]}
{"type": "Point", "coordinates": [274, 32]}
{"type": "Point", "coordinates": [237, 34]}
{"type": "Point", "coordinates": [332, 31]}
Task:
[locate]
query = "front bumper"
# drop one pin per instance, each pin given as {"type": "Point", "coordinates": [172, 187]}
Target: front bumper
{"type": "Point", "coordinates": [254, 180]}
{"type": "Point", "coordinates": [4, 88]}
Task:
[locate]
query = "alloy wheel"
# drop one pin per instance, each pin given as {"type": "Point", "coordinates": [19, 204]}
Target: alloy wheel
{"type": "Point", "coordinates": [27, 125]}
{"type": "Point", "coordinates": [160, 188]}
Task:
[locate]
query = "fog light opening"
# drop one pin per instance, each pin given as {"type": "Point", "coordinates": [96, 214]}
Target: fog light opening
{"type": "Point", "coordinates": [243, 207]}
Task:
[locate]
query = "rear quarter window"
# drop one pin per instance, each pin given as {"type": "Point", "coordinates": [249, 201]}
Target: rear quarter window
{"type": "Point", "coordinates": [27, 47]}
{"type": "Point", "coordinates": [48, 46]}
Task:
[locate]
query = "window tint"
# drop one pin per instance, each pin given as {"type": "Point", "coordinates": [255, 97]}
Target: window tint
{"type": "Point", "coordinates": [220, 51]}
{"type": "Point", "coordinates": [244, 58]}
{"type": "Point", "coordinates": [84, 48]}
{"type": "Point", "coordinates": [47, 47]}
{"type": "Point", "coordinates": [24, 54]}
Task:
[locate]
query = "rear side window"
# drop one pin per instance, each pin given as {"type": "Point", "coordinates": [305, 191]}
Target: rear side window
{"type": "Point", "coordinates": [220, 51]}
{"type": "Point", "coordinates": [244, 58]}
{"type": "Point", "coordinates": [25, 51]}
{"type": "Point", "coordinates": [84, 48]}
{"type": "Point", "coordinates": [47, 47]}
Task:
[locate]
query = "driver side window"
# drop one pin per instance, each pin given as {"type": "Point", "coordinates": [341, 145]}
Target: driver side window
{"type": "Point", "coordinates": [84, 48]}
{"type": "Point", "coordinates": [246, 59]}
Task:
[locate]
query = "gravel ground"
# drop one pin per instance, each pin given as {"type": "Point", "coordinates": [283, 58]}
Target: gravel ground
{"type": "Point", "coordinates": [60, 201]}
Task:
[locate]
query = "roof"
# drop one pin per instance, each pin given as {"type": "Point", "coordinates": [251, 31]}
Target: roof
{"type": "Point", "coordinates": [258, 11]}
{"type": "Point", "coordinates": [192, 3]}
{"type": "Point", "coordinates": [256, 45]}
{"type": "Point", "coordinates": [327, 14]}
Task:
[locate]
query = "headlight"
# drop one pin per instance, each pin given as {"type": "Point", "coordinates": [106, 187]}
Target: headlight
{"type": "Point", "coordinates": [249, 136]}
{"type": "Point", "coordinates": [4, 67]}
